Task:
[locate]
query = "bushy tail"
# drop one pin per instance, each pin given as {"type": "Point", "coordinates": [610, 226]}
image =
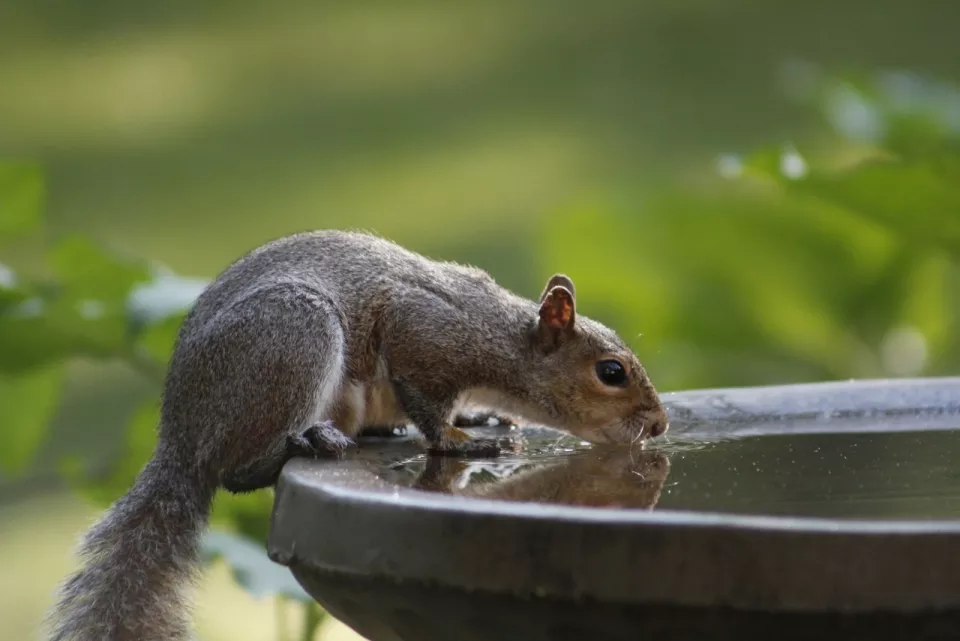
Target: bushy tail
{"type": "Point", "coordinates": [139, 562]}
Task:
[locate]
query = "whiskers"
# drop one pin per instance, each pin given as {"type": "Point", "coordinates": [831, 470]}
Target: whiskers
{"type": "Point", "coordinates": [638, 438]}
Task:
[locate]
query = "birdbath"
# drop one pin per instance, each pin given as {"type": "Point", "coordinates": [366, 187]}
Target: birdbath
{"type": "Point", "coordinates": [820, 511]}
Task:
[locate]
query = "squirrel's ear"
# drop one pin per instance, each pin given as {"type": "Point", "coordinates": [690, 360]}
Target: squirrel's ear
{"type": "Point", "coordinates": [557, 312]}
{"type": "Point", "coordinates": [559, 280]}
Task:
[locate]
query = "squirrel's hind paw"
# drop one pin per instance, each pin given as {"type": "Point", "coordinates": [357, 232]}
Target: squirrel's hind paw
{"type": "Point", "coordinates": [323, 440]}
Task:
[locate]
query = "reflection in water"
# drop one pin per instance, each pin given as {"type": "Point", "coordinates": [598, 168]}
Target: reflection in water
{"type": "Point", "coordinates": [887, 475]}
{"type": "Point", "coordinates": [598, 477]}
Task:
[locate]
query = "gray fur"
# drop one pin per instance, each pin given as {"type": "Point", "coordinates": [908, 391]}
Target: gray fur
{"type": "Point", "coordinates": [140, 559]}
{"type": "Point", "coordinates": [308, 333]}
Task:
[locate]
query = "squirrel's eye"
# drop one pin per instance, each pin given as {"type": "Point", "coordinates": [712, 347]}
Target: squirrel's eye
{"type": "Point", "coordinates": [611, 373]}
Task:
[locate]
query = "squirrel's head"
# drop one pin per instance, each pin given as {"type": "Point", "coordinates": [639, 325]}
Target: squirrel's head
{"type": "Point", "coordinates": [589, 381]}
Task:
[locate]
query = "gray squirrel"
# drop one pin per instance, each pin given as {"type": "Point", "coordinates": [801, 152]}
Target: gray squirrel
{"type": "Point", "coordinates": [292, 351]}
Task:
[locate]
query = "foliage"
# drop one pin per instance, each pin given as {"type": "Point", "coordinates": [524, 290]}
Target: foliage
{"type": "Point", "coordinates": [92, 303]}
{"type": "Point", "coordinates": [834, 259]}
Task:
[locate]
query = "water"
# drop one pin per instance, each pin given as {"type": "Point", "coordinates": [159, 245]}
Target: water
{"type": "Point", "coordinates": [885, 475]}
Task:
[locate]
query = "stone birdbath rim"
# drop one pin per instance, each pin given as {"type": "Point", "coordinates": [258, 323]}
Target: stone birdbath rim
{"type": "Point", "coordinates": [340, 518]}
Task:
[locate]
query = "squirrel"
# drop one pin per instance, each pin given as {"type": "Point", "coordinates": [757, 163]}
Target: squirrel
{"type": "Point", "coordinates": [291, 351]}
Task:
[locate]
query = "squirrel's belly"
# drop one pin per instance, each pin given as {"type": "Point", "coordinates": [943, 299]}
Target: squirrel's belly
{"type": "Point", "coordinates": [371, 404]}
{"type": "Point", "coordinates": [382, 407]}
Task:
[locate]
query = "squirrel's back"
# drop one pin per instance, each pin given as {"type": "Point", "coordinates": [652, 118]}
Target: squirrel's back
{"type": "Point", "coordinates": [355, 270]}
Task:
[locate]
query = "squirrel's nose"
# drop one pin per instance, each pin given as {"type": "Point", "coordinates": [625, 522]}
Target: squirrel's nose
{"type": "Point", "coordinates": [659, 424]}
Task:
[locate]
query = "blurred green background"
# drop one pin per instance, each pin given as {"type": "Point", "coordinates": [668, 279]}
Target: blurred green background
{"type": "Point", "coordinates": [750, 192]}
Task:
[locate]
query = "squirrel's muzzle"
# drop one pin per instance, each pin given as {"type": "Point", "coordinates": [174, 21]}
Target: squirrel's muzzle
{"type": "Point", "coordinates": [640, 426]}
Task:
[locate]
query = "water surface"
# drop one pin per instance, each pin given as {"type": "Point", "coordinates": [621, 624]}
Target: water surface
{"type": "Point", "coordinates": [887, 474]}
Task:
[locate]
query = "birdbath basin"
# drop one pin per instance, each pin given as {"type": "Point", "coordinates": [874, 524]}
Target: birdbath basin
{"type": "Point", "coordinates": [822, 511]}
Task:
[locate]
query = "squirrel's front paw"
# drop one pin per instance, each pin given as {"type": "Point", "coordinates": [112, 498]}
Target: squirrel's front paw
{"type": "Point", "coordinates": [322, 440]}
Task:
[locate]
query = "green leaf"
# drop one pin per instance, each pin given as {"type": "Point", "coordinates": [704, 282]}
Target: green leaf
{"type": "Point", "coordinates": [21, 198]}
{"type": "Point", "coordinates": [916, 136]}
{"type": "Point", "coordinates": [247, 513]}
{"type": "Point", "coordinates": [159, 339]}
{"type": "Point", "coordinates": [84, 314]}
{"type": "Point", "coordinates": [251, 567]}
{"type": "Point", "coordinates": [140, 440]}
{"type": "Point", "coordinates": [10, 292]}
{"type": "Point", "coordinates": [85, 271]}
{"type": "Point", "coordinates": [43, 329]}
{"type": "Point", "coordinates": [917, 199]}
{"type": "Point", "coordinates": [28, 402]}
{"type": "Point", "coordinates": [920, 201]}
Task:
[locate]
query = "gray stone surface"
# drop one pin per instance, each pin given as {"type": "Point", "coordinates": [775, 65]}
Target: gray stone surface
{"type": "Point", "coordinates": [847, 406]}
